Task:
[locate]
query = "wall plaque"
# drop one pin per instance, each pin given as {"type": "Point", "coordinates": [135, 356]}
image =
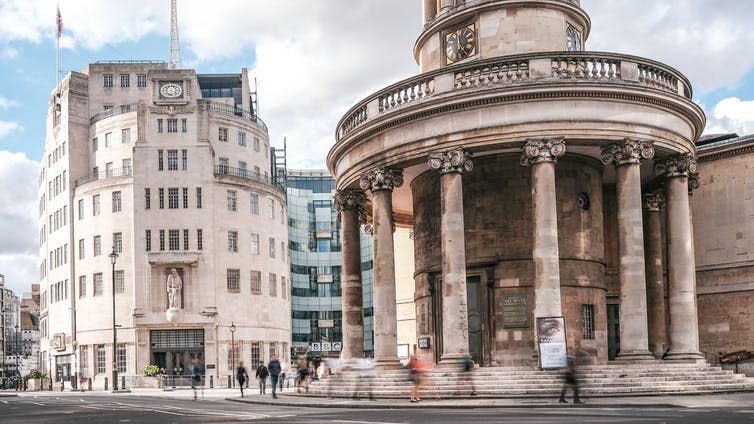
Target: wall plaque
{"type": "Point", "coordinates": [515, 311]}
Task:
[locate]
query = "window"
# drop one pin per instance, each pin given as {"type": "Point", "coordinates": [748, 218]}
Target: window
{"type": "Point", "coordinates": [118, 242]}
{"type": "Point", "coordinates": [81, 249]}
{"type": "Point", "coordinates": [125, 80]}
{"type": "Point", "coordinates": [256, 282]}
{"type": "Point", "coordinates": [148, 240]}
{"type": "Point", "coordinates": [272, 208]}
{"type": "Point", "coordinates": [108, 136]}
{"type": "Point", "coordinates": [84, 360]}
{"type": "Point", "coordinates": [242, 168]}
{"type": "Point", "coordinates": [147, 198]}
{"type": "Point", "coordinates": [231, 200]}
{"type": "Point", "coordinates": [283, 288]}
{"type": "Point", "coordinates": [81, 209]}
{"type": "Point", "coordinates": [82, 286]}
{"type": "Point", "coordinates": [120, 284]}
{"type": "Point", "coordinates": [141, 80]}
{"type": "Point", "coordinates": [125, 135]}
{"type": "Point", "coordinates": [97, 246]}
{"type": "Point", "coordinates": [255, 244]}
{"type": "Point", "coordinates": [159, 125]}
{"type": "Point", "coordinates": [241, 138]}
{"type": "Point", "coordinates": [125, 108]}
{"type": "Point", "coordinates": [95, 172]}
{"type": "Point", "coordinates": [282, 250]}
{"type": "Point", "coordinates": [232, 279]}
{"type": "Point", "coordinates": [101, 369]}
{"type": "Point", "coordinates": [272, 247]}
{"type": "Point", "coordinates": [198, 197]}
{"type": "Point", "coordinates": [223, 168]}
{"type": "Point", "coordinates": [116, 201]}
{"type": "Point", "coordinates": [159, 159]}
{"type": "Point", "coordinates": [199, 241]}
{"type": "Point", "coordinates": [185, 239]}
{"type": "Point", "coordinates": [161, 197]}
{"type": "Point", "coordinates": [273, 284]}
{"type": "Point", "coordinates": [232, 241]}
{"type": "Point", "coordinates": [172, 160]}
{"type": "Point", "coordinates": [254, 204]}
{"type": "Point", "coordinates": [184, 197]}
{"type": "Point", "coordinates": [126, 166]}
{"type": "Point", "coordinates": [172, 197]}
{"type": "Point", "coordinates": [97, 287]}
{"type": "Point", "coordinates": [107, 80]}
{"type": "Point", "coordinates": [184, 125]}
{"type": "Point", "coordinates": [256, 144]}
{"type": "Point", "coordinates": [95, 205]}
{"type": "Point", "coordinates": [162, 239]}
{"type": "Point", "coordinates": [222, 134]}
{"type": "Point", "coordinates": [120, 358]}
{"type": "Point", "coordinates": [587, 321]}
{"type": "Point", "coordinates": [184, 159]}
{"type": "Point", "coordinates": [108, 112]}
{"type": "Point", "coordinates": [108, 169]}
{"type": "Point", "coordinates": [256, 172]}
{"type": "Point", "coordinates": [232, 357]}
{"type": "Point", "coordinates": [174, 240]}
{"type": "Point", "coordinates": [172, 125]}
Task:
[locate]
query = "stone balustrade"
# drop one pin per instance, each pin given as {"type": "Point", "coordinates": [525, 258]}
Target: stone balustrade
{"type": "Point", "coordinates": [516, 71]}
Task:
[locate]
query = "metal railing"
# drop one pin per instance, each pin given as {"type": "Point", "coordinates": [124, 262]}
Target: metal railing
{"type": "Point", "coordinates": [227, 109]}
{"type": "Point", "coordinates": [221, 170]}
{"type": "Point", "coordinates": [116, 110]}
{"type": "Point", "coordinates": [117, 172]}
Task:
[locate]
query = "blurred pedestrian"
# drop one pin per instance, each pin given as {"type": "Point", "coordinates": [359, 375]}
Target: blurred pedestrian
{"type": "Point", "coordinates": [570, 379]}
{"type": "Point", "coordinates": [274, 369]}
{"type": "Point", "coordinates": [196, 376]}
{"type": "Point", "coordinates": [284, 368]}
{"type": "Point", "coordinates": [363, 367]}
{"type": "Point", "coordinates": [465, 378]}
{"type": "Point", "coordinates": [418, 372]}
{"type": "Point", "coordinates": [261, 375]}
{"type": "Point", "coordinates": [241, 376]}
{"type": "Point", "coordinates": [303, 373]}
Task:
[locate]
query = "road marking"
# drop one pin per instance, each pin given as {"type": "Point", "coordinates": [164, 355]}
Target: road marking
{"type": "Point", "coordinates": [363, 422]}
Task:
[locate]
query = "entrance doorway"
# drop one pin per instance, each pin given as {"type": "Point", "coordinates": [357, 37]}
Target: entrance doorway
{"type": "Point", "coordinates": [173, 350]}
{"type": "Point", "coordinates": [473, 299]}
{"type": "Point", "coordinates": [613, 330]}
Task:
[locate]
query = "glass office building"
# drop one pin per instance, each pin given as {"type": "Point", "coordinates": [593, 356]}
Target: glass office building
{"type": "Point", "coordinates": [315, 253]}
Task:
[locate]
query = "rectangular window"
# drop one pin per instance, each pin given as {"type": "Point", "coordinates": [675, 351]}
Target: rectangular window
{"type": "Point", "coordinates": [120, 282]}
{"type": "Point", "coordinates": [84, 360]}
{"type": "Point", "coordinates": [95, 205]}
{"type": "Point", "coordinates": [116, 201]}
{"type": "Point", "coordinates": [232, 279]}
{"type": "Point", "coordinates": [282, 250]}
{"type": "Point", "coordinates": [256, 144]}
{"type": "Point", "coordinates": [98, 286]}
{"type": "Point", "coordinates": [159, 125]}
{"type": "Point", "coordinates": [125, 135]}
{"type": "Point", "coordinates": [223, 165]}
{"type": "Point", "coordinates": [185, 239]}
{"type": "Point", "coordinates": [254, 201]}
{"type": "Point", "coordinates": [222, 134]}
{"type": "Point", "coordinates": [81, 209]}
{"type": "Point", "coordinates": [242, 168]}
{"type": "Point", "coordinates": [587, 321]}
{"type": "Point", "coordinates": [82, 286]}
{"type": "Point", "coordinates": [172, 160]}
{"type": "Point", "coordinates": [184, 159]}
{"type": "Point", "coordinates": [273, 284]}
{"type": "Point", "coordinates": [174, 240]}
{"type": "Point", "coordinates": [101, 359]}
{"type": "Point", "coordinates": [125, 80]}
{"type": "Point", "coordinates": [107, 80]}
{"type": "Point", "coordinates": [108, 112]}
{"type": "Point", "coordinates": [198, 197]}
{"type": "Point", "coordinates": [118, 242]}
{"type": "Point", "coordinates": [160, 160]}
{"type": "Point", "coordinates": [141, 80]}
{"type": "Point", "coordinates": [121, 358]}
{"type": "Point", "coordinates": [184, 197]}
{"type": "Point", "coordinates": [232, 241]}
{"type": "Point", "coordinates": [148, 240]}
{"type": "Point", "coordinates": [162, 240]}
{"type": "Point", "coordinates": [172, 197]}
{"type": "Point", "coordinates": [125, 108]}
{"type": "Point", "coordinates": [272, 247]}
{"type": "Point", "coordinates": [256, 282]}
{"type": "Point", "coordinates": [172, 125]}
{"type": "Point", "coordinates": [184, 125]}
{"type": "Point", "coordinates": [81, 249]}
{"type": "Point", "coordinates": [199, 241]}
{"type": "Point", "coordinates": [161, 197]}
{"type": "Point", "coordinates": [147, 198]}
{"type": "Point", "coordinates": [108, 138]}
{"type": "Point", "coordinates": [256, 352]}
{"type": "Point", "coordinates": [241, 138]}
{"type": "Point", "coordinates": [255, 244]}
{"type": "Point", "coordinates": [109, 170]}
{"type": "Point", "coordinates": [231, 200]}
{"type": "Point", "coordinates": [283, 287]}
{"type": "Point", "coordinates": [272, 208]}
{"type": "Point", "coordinates": [125, 165]}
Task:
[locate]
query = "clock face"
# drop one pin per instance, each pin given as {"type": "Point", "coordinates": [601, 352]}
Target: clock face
{"type": "Point", "coordinates": [573, 39]}
{"type": "Point", "coordinates": [460, 44]}
{"type": "Point", "coordinates": [171, 90]}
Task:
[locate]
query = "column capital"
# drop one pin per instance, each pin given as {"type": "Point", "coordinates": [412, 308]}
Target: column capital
{"type": "Point", "coordinates": [381, 179]}
{"type": "Point", "coordinates": [653, 201]}
{"type": "Point", "coordinates": [454, 160]}
{"type": "Point", "coordinates": [682, 165]}
{"type": "Point", "coordinates": [542, 150]}
{"type": "Point", "coordinates": [693, 182]}
{"type": "Point", "coordinates": [351, 200]}
{"type": "Point", "coordinates": [627, 151]}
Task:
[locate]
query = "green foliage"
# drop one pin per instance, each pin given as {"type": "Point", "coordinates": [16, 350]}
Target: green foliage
{"type": "Point", "coordinates": [151, 370]}
{"type": "Point", "coordinates": [35, 374]}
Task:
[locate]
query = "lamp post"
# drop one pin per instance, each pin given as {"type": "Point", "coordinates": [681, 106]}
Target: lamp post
{"type": "Point", "coordinates": [232, 351]}
{"type": "Point", "coordinates": [18, 373]}
{"type": "Point", "coordinates": [113, 258]}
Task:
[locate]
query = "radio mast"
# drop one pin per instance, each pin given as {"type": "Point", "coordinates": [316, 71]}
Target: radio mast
{"type": "Point", "coordinates": [174, 58]}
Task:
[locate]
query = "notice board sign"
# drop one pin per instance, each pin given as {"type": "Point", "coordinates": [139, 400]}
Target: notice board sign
{"type": "Point", "coordinates": [551, 337]}
{"type": "Point", "coordinates": [515, 311]}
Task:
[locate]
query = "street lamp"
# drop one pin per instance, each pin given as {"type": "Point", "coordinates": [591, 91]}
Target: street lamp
{"type": "Point", "coordinates": [232, 351]}
{"type": "Point", "coordinates": [17, 349]}
{"type": "Point", "coordinates": [113, 258]}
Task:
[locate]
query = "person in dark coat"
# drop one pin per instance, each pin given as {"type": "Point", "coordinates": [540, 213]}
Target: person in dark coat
{"type": "Point", "coordinates": [274, 369]}
{"type": "Point", "coordinates": [262, 374]}
{"type": "Point", "coordinates": [241, 376]}
{"type": "Point", "coordinates": [570, 379]}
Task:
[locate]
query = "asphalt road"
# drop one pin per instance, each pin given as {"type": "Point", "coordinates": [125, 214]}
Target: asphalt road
{"type": "Point", "coordinates": [32, 409]}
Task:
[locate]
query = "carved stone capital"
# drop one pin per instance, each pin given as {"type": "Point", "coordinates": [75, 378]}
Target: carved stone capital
{"type": "Point", "coordinates": [693, 182]}
{"type": "Point", "coordinates": [627, 151]}
{"type": "Point", "coordinates": [369, 229]}
{"type": "Point", "coordinates": [381, 179]}
{"type": "Point", "coordinates": [677, 165]}
{"type": "Point", "coordinates": [455, 160]}
{"type": "Point", "coordinates": [653, 201]}
{"type": "Point", "coordinates": [542, 150]}
{"type": "Point", "coordinates": [351, 200]}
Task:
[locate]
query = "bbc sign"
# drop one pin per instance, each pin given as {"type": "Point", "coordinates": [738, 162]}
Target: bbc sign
{"type": "Point", "coordinates": [326, 347]}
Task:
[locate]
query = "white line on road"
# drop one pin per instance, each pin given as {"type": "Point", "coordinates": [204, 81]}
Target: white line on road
{"type": "Point", "coordinates": [363, 422]}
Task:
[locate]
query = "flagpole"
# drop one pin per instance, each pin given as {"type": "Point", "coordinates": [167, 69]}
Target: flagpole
{"type": "Point", "coordinates": [58, 33]}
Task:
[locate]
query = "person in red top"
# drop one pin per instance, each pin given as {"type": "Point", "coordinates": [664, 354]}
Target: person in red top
{"type": "Point", "coordinates": [417, 369]}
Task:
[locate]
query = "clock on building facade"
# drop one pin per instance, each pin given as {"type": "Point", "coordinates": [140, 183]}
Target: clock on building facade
{"type": "Point", "coordinates": [460, 44]}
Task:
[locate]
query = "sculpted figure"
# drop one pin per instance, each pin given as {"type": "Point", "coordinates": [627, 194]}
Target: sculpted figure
{"type": "Point", "coordinates": [174, 286]}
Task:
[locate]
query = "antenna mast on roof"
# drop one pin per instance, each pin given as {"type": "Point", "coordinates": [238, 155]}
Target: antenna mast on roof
{"type": "Point", "coordinates": [174, 57]}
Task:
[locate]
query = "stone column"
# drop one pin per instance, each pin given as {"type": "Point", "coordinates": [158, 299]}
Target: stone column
{"type": "Point", "coordinates": [381, 183]}
{"type": "Point", "coordinates": [541, 155]}
{"type": "Point", "coordinates": [350, 207]}
{"type": "Point", "coordinates": [626, 156]}
{"type": "Point", "coordinates": [684, 326]}
{"type": "Point", "coordinates": [655, 280]}
{"type": "Point", "coordinates": [455, 328]}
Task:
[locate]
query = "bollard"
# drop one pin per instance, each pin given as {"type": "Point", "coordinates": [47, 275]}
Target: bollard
{"type": "Point", "coordinates": [62, 385]}
{"type": "Point", "coordinates": [211, 381]}
{"type": "Point", "coordinates": [105, 383]}
{"type": "Point", "coordinates": [229, 381]}
{"type": "Point", "coordinates": [90, 383]}
{"type": "Point", "coordinates": [123, 382]}
{"type": "Point", "coordinates": [50, 383]}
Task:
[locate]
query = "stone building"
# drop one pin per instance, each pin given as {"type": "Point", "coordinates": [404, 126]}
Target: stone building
{"type": "Point", "coordinates": [146, 170]}
{"type": "Point", "coordinates": [523, 163]}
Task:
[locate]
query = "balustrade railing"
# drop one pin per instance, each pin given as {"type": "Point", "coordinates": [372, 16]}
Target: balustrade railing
{"type": "Point", "coordinates": [227, 109]}
{"type": "Point", "coordinates": [116, 110]}
{"type": "Point", "coordinates": [111, 173]}
{"type": "Point", "coordinates": [248, 175]}
{"type": "Point", "coordinates": [414, 90]}
{"type": "Point", "coordinates": [492, 73]}
{"type": "Point", "coordinates": [586, 67]}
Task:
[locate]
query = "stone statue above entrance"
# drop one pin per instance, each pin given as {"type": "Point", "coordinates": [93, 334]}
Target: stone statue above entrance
{"type": "Point", "coordinates": [174, 287]}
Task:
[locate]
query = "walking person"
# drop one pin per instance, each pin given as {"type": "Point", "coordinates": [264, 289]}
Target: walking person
{"type": "Point", "coordinates": [303, 373]}
{"type": "Point", "coordinates": [570, 379]}
{"type": "Point", "coordinates": [417, 369]}
{"type": "Point", "coordinates": [465, 379]}
{"type": "Point", "coordinates": [364, 367]}
{"type": "Point", "coordinates": [284, 368]}
{"type": "Point", "coordinates": [241, 376]}
{"type": "Point", "coordinates": [262, 374]}
{"type": "Point", "coordinates": [196, 376]}
{"type": "Point", "coordinates": [274, 369]}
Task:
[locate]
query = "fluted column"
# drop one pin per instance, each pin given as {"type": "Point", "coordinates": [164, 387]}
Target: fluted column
{"type": "Point", "coordinates": [684, 326]}
{"type": "Point", "coordinates": [381, 183]}
{"type": "Point", "coordinates": [542, 155]}
{"type": "Point", "coordinates": [626, 155]}
{"type": "Point", "coordinates": [455, 328]}
{"type": "Point", "coordinates": [655, 282]}
{"type": "Point", "coordinates": [350, 207]}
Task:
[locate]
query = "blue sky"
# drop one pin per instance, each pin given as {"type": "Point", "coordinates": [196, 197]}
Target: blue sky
{"type": "Point", "coordinates": [313, 60]}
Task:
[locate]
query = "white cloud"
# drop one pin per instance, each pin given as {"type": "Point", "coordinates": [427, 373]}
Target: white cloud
{"type": "Point", "coordinates": [6, 103]}
{"type": "Point", "coordinates": [731, 115]}
{"type": "Point", "coordinates": [9, 127]}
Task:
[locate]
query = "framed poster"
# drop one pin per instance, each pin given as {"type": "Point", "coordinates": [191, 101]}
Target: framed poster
{"type": "Point", "coordinates": [551, 338]}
